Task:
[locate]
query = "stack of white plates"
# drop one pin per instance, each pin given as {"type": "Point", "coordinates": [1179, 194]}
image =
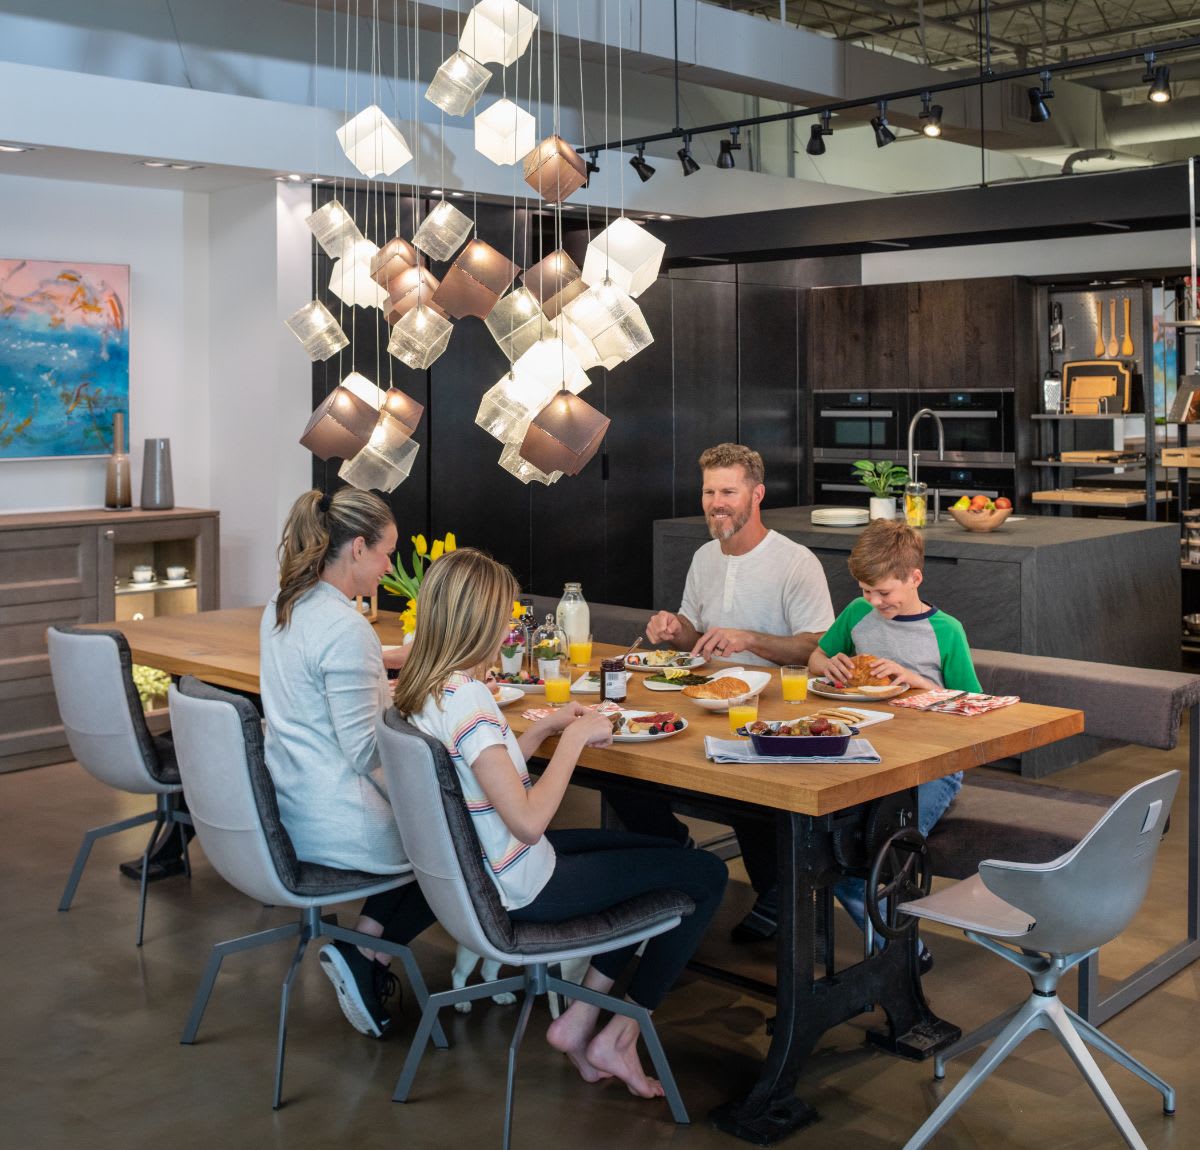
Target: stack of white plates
{"type": "Point", "coordinates": [840, 516]}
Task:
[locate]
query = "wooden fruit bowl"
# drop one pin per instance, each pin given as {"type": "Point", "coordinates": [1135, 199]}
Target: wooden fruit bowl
{"type": "Point", "coordinates": [980, 520]}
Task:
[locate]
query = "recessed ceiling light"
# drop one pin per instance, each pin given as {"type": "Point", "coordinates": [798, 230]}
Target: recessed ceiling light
{"type": "Point", "coordinates": [458, 195]}
{"type": "Point", "coordinates": [317, 179]}
{"type": "Point", "coordinates": [664, 217]}
{"type": "Point", "coordinates": [17, 148]}
{"type": "Point", "coordinates": [154, 163]}
{"type": "Point", "coordinates": [185, 167]}
{"type": "Point", "coordinates": [294, 177]}
{"type": "Point", "coordinates": [435, 191]}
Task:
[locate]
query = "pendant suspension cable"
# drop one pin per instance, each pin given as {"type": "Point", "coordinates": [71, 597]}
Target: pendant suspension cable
{"type": "Point", "coordinates": [620, 100]}
{"type": "Point", "coordinates": [587, 207]}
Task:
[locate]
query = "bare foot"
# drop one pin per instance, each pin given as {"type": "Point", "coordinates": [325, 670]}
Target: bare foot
{"type": "Point", "coordinates": [565, 1035]}
{"type": "Point", "coordinates": [614, 1051]}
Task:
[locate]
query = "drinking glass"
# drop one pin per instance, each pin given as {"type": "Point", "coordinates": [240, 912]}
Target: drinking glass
{"type": "Point", "coordinates": [581, 653]}
{"type": "Point", "coordinates": [794, 681]}
{"type": "Point", "coordinates": [558, 687]}
{"type": "Point", "coordinates": [742, 713]}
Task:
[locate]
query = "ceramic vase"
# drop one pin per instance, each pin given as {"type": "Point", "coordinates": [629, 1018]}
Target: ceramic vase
{"type": "Point", "coordinates": [883, 507]}
{"type": "Point", "coordinates": [158, 488]}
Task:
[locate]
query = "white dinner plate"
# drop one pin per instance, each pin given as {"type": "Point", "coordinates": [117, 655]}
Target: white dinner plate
{"type": "Point", "coordinates": [586, 685]}
{"type": "Point", "coordinates": [682, 662]}
{"type": "Point", "coordinates": [507, 694]}
{"type": "Point", "coordinates": [840, 516]}
{"type": "Point", "coordinates": [645, 736]}
{"type": "Point", "coordinates": [527, 688]}
{"type": "Point", "coordinates": [755, 680]}
{"type": "Point", "coordinates": [662, 686]}
{"type": "Point", "coordinates": [827, 690]}
{"type": "Point", "coordinates": [175, 582]}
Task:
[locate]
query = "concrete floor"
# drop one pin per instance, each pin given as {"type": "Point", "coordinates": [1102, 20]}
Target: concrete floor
{"type": "Point", "coordinates": [90, 1057]}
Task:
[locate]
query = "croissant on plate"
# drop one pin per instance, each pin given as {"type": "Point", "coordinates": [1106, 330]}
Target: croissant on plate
{"type": "Point", "coordinates": [862, 676]}
{"type": "Point", "coordinates": [726, 687]}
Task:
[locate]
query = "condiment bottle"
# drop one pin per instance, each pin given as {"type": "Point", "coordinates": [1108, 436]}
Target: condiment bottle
{"type": "Point", "coordinates": [118, 484]}
{"type": "Point", "coordinates": [573, 615]}
{"type": "Point", "coordinates": [612, 680]}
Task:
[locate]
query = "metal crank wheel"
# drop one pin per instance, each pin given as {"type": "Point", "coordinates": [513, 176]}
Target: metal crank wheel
{"type": "Point", "coordinates": [900, 873]}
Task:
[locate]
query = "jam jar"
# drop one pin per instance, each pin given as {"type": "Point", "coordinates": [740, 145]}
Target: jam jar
{"type": "Point", "coordinates": [612, 680]}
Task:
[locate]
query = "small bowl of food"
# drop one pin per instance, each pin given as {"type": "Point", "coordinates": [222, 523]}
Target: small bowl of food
{"type": "Point", "coordinates": [818, 736]}
{"type": "Point", "coordinates": [726, 689]}
{"type": "Point", "coordinates": [980, 519]}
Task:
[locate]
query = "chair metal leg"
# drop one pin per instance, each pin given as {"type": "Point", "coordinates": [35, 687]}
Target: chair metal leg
{"type": "Point", "coordinates": [219, 951]}
{"type": "Point", "coordinates": [85, 849]}
{"type": "Point", "coordinates": [513, 1047]}
{"type": "Point", "coordinates": [1119, 1055]}
{"type": "Point", "coordinates": [158, 824]}
{"type": "Point", "coordinates": [281, 1043]}
{"type": "Point", "coordinates": [977, 1037]}
{"type": "Point", "coordinates": [429, 1017]}
{"type": "Point", "coordinates": [642, 1017]}
{"type": "Point", "coordinates": [1028, 1018]}
{"type": "Point", "coordinates": [1060, 1026]}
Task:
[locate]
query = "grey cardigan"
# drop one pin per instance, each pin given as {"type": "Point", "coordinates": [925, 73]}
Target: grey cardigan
{"type": "Point", "coordinates": [323, 686]}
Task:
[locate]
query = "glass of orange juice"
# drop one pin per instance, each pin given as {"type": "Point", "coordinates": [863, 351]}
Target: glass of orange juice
{"type": "Point", "coordinates": [794, 681]}
{"type": "Point", "coordinates": [558, 686]}
{"type": "Point", "coordinates": [580, 654]}
{"type": "Point", "coordinates": [742, 713]}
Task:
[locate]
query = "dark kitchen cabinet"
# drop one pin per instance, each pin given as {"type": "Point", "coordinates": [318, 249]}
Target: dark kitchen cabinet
{"type": "Point", "coordinates": [858, 337]}
{"type": "Point", "coordinates": [971, 334]}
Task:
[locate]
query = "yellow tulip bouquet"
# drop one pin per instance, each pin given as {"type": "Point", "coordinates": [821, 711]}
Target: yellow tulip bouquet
{"type": "Point", "coordinates": [407, 586]}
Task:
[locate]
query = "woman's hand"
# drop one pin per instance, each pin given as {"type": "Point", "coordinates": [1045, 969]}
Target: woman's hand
{"type": "Point", "coordinates": [394, 659]}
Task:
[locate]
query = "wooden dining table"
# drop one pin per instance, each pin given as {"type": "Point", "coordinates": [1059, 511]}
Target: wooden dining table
{"type": "Point", "coordinates": [830, 820]}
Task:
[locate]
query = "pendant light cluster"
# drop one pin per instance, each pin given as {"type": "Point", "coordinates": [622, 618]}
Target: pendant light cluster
{"type": "Point", "coordinates": [558, 323]}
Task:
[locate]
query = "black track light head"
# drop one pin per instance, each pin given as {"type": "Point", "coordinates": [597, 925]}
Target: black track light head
{"type": "Point", "coordinates": [883, 134]}
{"type": "Point", "coordinates": [931, 117]}
{"type": "Point", "coordinates": [728, 147]}
{"type": "Point", "coordinates": [816, 134]}
{"type": "Point", "coordinates": [639, 165]}
{"type": "Point", "coordinates": [690, 167]}
{"type": "Point", "coordinates": [1160, 88]}
{"type": "Point", "coordinates": [1038, 112]}
{"type": "Point", "coordinates": [592, 168]}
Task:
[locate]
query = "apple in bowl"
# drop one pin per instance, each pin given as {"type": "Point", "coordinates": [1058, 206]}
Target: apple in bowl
{"type": "Point", "coordinates": [979, 513]}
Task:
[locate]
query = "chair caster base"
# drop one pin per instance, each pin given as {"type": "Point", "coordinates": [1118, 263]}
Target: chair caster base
{"type": "Point", "coordinates": [939, 1077]}
{"type": "Point", "coordinates": [1168, 1113]}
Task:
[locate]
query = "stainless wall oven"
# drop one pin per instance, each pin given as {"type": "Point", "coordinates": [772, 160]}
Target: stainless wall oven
{"type": "Point", "coordinates": [865, 424]}
{"type": "Point", "coordinates": [979, 426]}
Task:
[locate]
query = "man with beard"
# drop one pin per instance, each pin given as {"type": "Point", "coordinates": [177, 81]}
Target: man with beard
{"type": "Point", "coordinates": [753, 596]}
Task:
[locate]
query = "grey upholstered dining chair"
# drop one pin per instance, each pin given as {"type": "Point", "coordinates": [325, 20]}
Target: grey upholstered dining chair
{"type": "Point", "coordinates": [106, 730]}
{"type": "Point", "coordinates": [444, 850]}
{"type": "Point", "coordinates": [219, 741]}
{"type": "Point", "coordinates": [1046, 918]}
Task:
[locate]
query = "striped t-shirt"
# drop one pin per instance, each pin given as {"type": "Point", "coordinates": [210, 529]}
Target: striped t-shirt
{"type": "Point", "coordinates": [466, 723]}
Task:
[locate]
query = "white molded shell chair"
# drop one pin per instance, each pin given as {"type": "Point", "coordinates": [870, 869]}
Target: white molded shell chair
{"type": "Point", "coordinates": [1046, 918]}
{"type": "Point", "coordinates": [106, 729]}
{"type": "Point", "coordinates": [219, 741]}
{"type": "Point", "coordinates": [447, 859]}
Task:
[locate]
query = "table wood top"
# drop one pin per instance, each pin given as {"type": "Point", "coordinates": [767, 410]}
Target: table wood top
{"type": "Point", "coordinates": [221, 647]}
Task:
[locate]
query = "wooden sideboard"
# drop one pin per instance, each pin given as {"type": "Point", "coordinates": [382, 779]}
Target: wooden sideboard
{"type": "Point", "coordinates": [68, 567]}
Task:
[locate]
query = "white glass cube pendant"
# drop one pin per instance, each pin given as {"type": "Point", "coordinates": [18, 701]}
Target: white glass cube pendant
{"type": "Point", "coordinates": [350, 280]}
{"type": "Point", "coordinates": [517, 323]}
{"type": "Point", "coordinates": [511, 461]}
{"type": "Point", "coordinates": [505, 133]}
{"type": "Point", "coordinates": [509, 405]}
{"type": "Point", "coordinates": [577, 343]}
{"type": "Point", "coordinates": [334, 229]}
{"type": "Point", "coordinates": [457, 84]}
{"type": "Point", "coordinates": [497, 31]}
{"type": "Point", "coordinates": [419, 337]}
{"type": "Point", "coordinates": [612, 321]}
{"type": "Point", "coordinates": [314, 326]}
{"type": "Point", "coordinates": [360, 385]}
{"type": "Point", "coordinates": [442, 232]}
{"type": "Point", "coordinates": [553, 365]}
{"type": "Point", "coordinates": [373, 144]}
{"type": "Point", "coordinates": [625, 253]}
{"type": "Point", "coordinates": [385, 462]}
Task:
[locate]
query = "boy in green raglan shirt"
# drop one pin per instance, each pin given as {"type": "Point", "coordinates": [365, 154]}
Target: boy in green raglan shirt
{"type": "Point", "coordinates": [913, 643]}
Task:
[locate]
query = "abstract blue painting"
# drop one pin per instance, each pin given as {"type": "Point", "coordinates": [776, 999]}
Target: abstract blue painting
{"type": "Point", "coordinates": [64, 357]}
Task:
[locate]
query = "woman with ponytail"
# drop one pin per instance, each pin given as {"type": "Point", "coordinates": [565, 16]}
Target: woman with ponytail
{"type": "Point", "coordinates": [323, 687]}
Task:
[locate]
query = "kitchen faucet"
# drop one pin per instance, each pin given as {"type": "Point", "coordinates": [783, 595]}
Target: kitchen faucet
{"type": "Point", "coordinates": [912, 470]}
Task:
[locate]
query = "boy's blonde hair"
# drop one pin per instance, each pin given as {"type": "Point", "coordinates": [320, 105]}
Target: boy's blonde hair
{"type": "Point", "coordinates": [735, 455]}
{"type": "Point", "coordinates": [462, 615]}
{"type": "Point", "coordinates": [887, 549]}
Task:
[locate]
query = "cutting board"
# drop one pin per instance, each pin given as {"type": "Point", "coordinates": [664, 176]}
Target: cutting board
{"type": "Point", "coordinates": [1097, 496]}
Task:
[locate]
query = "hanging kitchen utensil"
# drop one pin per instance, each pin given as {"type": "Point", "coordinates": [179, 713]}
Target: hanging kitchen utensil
{"type": "Point", "coordinates": [1057, 338]}
{"type": "Point", "coordinates": [1114, 345]}
{"type": "Point", "coordinates": [1098, 350]}
{"type": "Point", "coordinates": [1127, 342]}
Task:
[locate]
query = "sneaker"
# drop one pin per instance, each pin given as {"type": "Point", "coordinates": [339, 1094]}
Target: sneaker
{"type": "Point", "coordinates": [924, 960]}
{"type": "Point", "coordinates": [358, 981]}
{"type": "Point", "coordinates": [762, 922]}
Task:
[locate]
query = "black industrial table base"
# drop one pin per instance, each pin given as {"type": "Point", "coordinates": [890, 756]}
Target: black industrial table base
{"type": "Point", "coordinates": [806, 1007]}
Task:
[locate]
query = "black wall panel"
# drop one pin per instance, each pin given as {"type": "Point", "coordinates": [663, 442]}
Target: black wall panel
{"type": "Point", "coordinates": [705, 384]}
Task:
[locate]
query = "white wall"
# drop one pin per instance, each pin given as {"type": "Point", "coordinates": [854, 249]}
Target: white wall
{"type": "Point", "coordinates": [1104, 253]}
{"type": "Point", "coordinates": [160, 235]}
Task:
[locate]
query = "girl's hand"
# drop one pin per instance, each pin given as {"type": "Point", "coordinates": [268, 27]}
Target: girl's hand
{"type": "Point", "coordinates": [563, 716]}
{"type": "Point", "coordinates": [593, 730]}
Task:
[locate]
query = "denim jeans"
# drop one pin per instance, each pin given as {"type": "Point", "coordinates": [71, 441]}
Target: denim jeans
{"type": "Point", "coordinates": [933, 798]}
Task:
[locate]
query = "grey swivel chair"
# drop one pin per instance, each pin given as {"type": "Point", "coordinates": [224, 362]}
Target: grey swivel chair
{"type": "Point", "coordinates": [448, 862]}
{"type": "Point", "coordinates": [106, 729]}
{"type": "Point", "coordinates": [219, 741]}
{"type": "Point", "coordinates": [1046, 918]}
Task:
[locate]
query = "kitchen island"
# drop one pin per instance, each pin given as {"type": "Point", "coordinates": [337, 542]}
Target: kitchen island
{"type": "Point", "coordinates": [1100, 590]}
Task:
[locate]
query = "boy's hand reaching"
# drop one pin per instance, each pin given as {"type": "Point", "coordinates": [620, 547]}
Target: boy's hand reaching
{"type": "Point", "coordinates": [839, 669]}
{"type": "Point", "coordinates": [889, 669]}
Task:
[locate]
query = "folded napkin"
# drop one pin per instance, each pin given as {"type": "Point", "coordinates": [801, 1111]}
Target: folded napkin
{"type": "Point", "coordinates": [742, 751]}
{"type": "Point", "coordinates": [956, 702]}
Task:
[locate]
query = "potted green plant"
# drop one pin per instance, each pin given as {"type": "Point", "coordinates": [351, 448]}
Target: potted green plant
{"type": "Point", "coordinates": [884, 481]}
